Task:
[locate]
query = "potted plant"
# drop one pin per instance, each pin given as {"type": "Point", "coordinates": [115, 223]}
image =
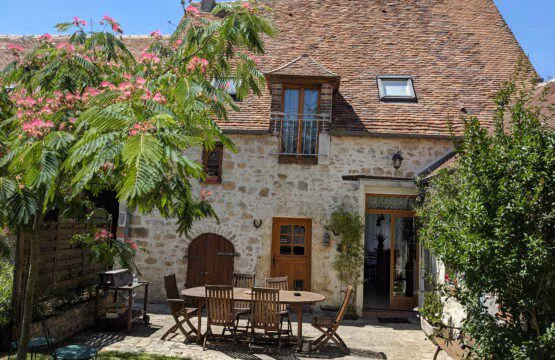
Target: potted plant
{"type": "Point", "coordinates": [431, 313]}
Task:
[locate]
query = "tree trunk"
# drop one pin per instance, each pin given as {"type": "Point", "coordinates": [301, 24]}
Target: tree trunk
{"type": "Point", "coordinates": [29, 294]}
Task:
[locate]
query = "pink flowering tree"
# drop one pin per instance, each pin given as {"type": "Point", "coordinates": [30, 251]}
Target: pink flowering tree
{"type": "Point", "coordinates": [80, 114]}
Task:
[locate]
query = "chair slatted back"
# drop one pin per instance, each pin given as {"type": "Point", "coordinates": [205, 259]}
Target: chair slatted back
{"type": "Point", "coordinates": [280, 283]}
{"type": "Point", "coordinates": [170, 283]}
{"type": "Point", "coordinates": [341, 313]}
{"type": "Point", "coordinates": [265, 309]}
{"type": "Point", "coordinates": [219, 305]}
{"type": "Point", "coordinates": [243, 281]}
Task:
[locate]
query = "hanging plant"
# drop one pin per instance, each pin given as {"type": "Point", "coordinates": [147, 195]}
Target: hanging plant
{"type": "Point", "coordinates": [350, 259]}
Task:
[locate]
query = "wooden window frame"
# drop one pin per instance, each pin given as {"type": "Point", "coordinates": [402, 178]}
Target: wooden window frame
{"type": "Point", "coordinates": [301, 158]}
{"type": "Point", "coordinates": [219, 149]}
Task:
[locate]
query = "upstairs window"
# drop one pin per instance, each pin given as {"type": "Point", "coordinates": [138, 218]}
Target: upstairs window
{"type": "Point", "coordinates": [229, 85]}
{"type": "Point", "coordinates": [301, 120]}
{"type": "Point", "coordinates": [212, 163]}
{"type": "Point", "coordinates": [396, 87]}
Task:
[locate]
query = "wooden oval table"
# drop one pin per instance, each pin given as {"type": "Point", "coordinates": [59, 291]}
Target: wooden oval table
{"type": "Point", "coordinates": [285, 297]}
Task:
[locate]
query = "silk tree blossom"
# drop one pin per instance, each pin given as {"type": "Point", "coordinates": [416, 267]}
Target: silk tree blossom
{"type": "Point", "coordinates": [15, 49]}
{"type": "Point", "coordinates": [246, 5]}
{"type": "Point", "coordinates": [156, 34]}
{"type": "Point", "coordinates": [46, 37]}
{"type": "Point", "coordinates": [192, 10]}
{"type": "Point", "coordinates": [197, 63]}
{"type": "Point", "coordinates": [79, 22]}
{"type": "Point", "coordinates": [66, 46]}
{"type": "Point", "coordinates": [141, 128]}
{"type": "Point", "coordinates": [113, 24]}
{"type": "Point", "coordinates": [37, 128]}
{"type": "Point", "coordinates": [147, 57]}
{"type": "Point", "coordinates": [103, 235]}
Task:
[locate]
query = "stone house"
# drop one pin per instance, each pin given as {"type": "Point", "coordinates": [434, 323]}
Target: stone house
{"type": "Point", "coordinates": [359, 101]}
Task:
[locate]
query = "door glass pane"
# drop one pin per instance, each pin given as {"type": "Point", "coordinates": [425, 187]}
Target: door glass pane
{"type": "Point", "coordinates": [285, 250]}
{"type": "Point", "coordinates": [299, 229]}
{"type": "Point", "coordinates": [298, 250]}
{"type": "Point", "coordinates": [404, 258]}
{"type": "Point", "coordinates": [291, 121]}
{"type": "Point", "coordinates": [310, 125]}
{"type": "Point", "coordinates": [377, 260]}
{"type": "Point", "coordinates": [298, 285]}
{"type": "Point", "coordinates": [285, 239]}
{"type": "Point", "coordinates": [298, 240]}
{"type": "Point", "coordinates": [285, 229]}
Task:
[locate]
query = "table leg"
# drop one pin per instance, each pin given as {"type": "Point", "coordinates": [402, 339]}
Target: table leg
{"type": "Point", "coordinates": [199, 319]}
{"type": "Point", "coordinates": [299, 328]}
{"type": "Point", "coordinates": [146, 298]}
{"type": "Point", "coordinates": [129, 310]}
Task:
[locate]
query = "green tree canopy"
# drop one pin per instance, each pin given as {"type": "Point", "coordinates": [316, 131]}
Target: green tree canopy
{"type": "Point", "coordinates": [491, 220]}
{"type": "Point", "coordinates": [79, 114]}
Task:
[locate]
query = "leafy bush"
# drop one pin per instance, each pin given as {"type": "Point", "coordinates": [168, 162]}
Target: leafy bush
{"type": "Point", "coordinates": [432, 308]}
{"type": "Point", "coordinates": [6, 283]}
{"type": "Point", "coordinates": [491, 218]}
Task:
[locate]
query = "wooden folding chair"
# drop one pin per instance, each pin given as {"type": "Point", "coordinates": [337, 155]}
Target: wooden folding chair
{"type": "Point", "coordinates": [243, 308]}
{"type": "Point", "coordinates": [281, 283]}
{"type": "Point", "coordinates": [220, 312]}
{"type": "Point", "coordinates": [180, 312]}
{"type": "Point", "coordinates": [329, 326]}
{"type": "Point", "coordinates": [265, 313]}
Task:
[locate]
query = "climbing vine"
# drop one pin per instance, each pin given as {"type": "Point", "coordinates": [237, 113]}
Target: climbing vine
{"type": "Point", "coordinates": [350, 258]}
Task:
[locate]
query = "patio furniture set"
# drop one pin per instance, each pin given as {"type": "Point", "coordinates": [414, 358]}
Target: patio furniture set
{"type": "Point", "coordinates": [263, 308]}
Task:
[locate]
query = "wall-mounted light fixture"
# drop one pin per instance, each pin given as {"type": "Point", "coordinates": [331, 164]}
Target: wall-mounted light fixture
{"type": "Point", "coordinates": [257, 223]}
{"type": "Point", "coordinates": [397, 160]}
{"type": "Point", "coordinates": [327, 239]}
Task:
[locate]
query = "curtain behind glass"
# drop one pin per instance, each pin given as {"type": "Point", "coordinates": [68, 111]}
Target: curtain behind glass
{"type": "Point", "coordinates": [310, 124]}
{"type": "Point", "coordinates": [290, 123]}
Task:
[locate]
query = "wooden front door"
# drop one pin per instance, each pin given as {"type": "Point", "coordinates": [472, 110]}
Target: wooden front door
{"type": "Point", "coordinates": [210, 261]}
{"type": "Point", "coordinates": [291, 251]}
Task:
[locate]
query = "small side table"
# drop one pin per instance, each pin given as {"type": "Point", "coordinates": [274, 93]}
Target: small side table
{"type": "Point", "coordinates": [132, 315]}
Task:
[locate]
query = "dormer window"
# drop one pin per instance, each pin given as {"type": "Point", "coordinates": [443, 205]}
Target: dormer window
{"type": "Point", "coordinates": [301, 108]}
{"type": "Point", "coordinates": [396, 87]}
{"type": "Point", "coordinates": [229, 85]}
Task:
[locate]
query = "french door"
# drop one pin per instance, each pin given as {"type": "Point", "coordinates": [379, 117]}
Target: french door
{"type": "Point", "coordinates": [393, 249]}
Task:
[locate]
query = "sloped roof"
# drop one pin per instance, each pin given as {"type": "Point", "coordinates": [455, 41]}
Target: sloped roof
{"type": "Point", "coordinates": [458, 54]}
{"type": "Point", "coordinates": [305, 66]}
{"type": "Point", "coordinates": [544, 97]}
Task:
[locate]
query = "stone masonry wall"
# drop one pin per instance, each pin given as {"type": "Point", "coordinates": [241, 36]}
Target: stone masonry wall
{"type": "Point", "coordinates": [255, 186]}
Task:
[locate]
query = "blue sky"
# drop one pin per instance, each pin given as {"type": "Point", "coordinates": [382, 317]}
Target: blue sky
{"type": "Point", "coordinates": [532, 21]}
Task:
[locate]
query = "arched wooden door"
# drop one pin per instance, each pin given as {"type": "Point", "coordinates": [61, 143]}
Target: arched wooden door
{"type": "Point", "coordinates": [210, 261]}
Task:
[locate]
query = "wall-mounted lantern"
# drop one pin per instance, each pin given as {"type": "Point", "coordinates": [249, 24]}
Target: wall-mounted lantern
{"type": "Point", "coordinates": [257, 223]}
{"type": "Point", "coordinates": [327, 239]}
{"type": "Point", "coordinates": [397, 160]}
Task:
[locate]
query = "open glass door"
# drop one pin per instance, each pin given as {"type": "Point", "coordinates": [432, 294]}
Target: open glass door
{"type": "Point", "coordinates": [391, 253]}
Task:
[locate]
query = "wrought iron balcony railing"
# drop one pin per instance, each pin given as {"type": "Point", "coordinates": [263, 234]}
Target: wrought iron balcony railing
{"type": "Point", "coordinates": [300, 134]}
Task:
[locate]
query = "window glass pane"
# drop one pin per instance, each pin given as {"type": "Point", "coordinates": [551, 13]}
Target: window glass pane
{"type": "Point", "coordinates": [298, 250]}
{"type": "Point", "coordinates": [390, 203]}
{"type": "Point", "coordinates": [298, 285]}
{"type": "Point", "coordinates": [310, 125]}
{"type": "Point", "coordinates": [290, 123]}
{"type": "Point", "coordinates": [396, 87]}
{"type": "Point", "coordinates": [213, 164]}
{"type": "Point", "coordinates": [285, 250]}
{"type": "Point", "coordinates": [404, 257]}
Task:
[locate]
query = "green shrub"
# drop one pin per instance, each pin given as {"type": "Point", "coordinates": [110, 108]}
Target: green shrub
{"type": "Point", "coordinates": [432, 308]}
{"type": "Point", "coordinates": [6, 281]}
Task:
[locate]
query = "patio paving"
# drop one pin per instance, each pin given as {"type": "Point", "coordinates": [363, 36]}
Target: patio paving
{"type": "Point", "coordinates": [367, 339]}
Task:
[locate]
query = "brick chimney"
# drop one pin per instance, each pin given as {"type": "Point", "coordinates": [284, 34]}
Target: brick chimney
{"type": "Point", "coordinates": [207, 5]}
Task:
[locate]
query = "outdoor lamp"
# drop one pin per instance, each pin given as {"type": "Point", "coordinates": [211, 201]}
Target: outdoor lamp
{"type": "Point", "coordinates": [327, 239]}
{"type": "Point", "coordinates": [397, 160]}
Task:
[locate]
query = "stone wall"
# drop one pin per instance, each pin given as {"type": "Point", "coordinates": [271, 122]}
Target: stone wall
{"type": "Point", "coordinates": [255, 186]}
